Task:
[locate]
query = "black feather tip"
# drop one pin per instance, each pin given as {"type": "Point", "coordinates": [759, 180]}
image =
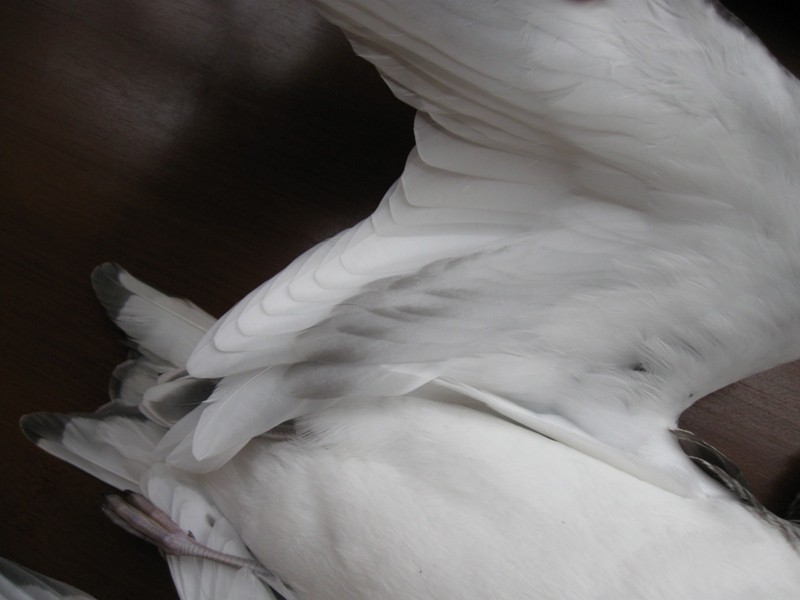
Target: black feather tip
{"type": "Point", "coordinates": [108, 288]}
{"type": "Point", "coordinates": [44, 425]}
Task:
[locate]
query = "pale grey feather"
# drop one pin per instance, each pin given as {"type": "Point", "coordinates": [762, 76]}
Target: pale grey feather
{"type": "Point", "coordinates": [20, 583]}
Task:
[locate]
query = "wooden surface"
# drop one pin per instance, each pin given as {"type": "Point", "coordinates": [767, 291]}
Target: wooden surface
{"type": "Point", "coordinates": [203, 145]}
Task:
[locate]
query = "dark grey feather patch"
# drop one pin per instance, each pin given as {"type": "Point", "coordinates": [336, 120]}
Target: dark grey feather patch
{"type": "Point", "coordinates": [111, 293]}
{"type": "Point", "coordinates": [44, 425]}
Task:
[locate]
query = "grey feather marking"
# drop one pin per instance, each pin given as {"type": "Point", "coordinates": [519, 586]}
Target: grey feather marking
{"type": "Point", "coordinates": [169, 402]}
{"type": "Point", "coordinates": [793, 512]}
{"type": "Point", "coordinates": [44, 425]}
{"type": "Point", "coordinates": [700, 450]}
{"type": "Point", "coordinates": [791, 529]}
{"type": "Point", "coordinates": [50, 426]}
{"type": "Point", "coordinates": [113, 293]}
{"type": "Point", "coordinates": [120, 374]}
{"type": "Point", "coordinates": [109, 290]}
{"type": "Point", "coordinates": [720, 468]}
{"type": "Point", "coordinates": [281, 433]}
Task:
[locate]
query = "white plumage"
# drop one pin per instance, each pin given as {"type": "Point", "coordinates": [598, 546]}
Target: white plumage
{"type": "Point", "coordinates": [598, 226]}
{"type": "Point", "coordinates": [19, 583]}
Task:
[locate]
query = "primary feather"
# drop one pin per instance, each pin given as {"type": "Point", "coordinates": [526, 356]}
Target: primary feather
{"type": "Point", "coordinates": [598, 226]}
{"type": "Point", "coordinates": [159, 325]}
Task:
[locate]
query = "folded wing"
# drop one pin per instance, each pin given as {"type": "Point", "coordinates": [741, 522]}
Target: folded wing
{"type": "Point", "coordinates": [597, 225]}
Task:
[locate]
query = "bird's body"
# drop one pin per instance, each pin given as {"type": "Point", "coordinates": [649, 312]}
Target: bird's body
{"type": "Point", "coordinates": [416, 499]}
{"type": "Point", "coordinates": [598, 226]}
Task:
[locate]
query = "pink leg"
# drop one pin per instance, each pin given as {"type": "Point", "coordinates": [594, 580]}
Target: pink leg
{"type": "Point", "coordinates": [138, 516]}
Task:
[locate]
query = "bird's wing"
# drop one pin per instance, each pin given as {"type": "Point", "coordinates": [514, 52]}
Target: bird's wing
{"type": "Point", "coordinates": [603, 328]}
{"type": "Point", "coordinates": [19, 583]}
{"type": "Point", "coordinates": [595, 229]}
{"type": "Point", "coordinates": [525, 105]}
{"type": "Point", "coordinates": [657, 104]}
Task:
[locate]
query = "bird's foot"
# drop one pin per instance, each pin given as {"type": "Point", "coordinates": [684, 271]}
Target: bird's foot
{"type": "Point", "coordinates": [138, 516]}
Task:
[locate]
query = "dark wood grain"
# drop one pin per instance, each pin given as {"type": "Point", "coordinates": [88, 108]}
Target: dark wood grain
{"type": "Point", "coordinates": [202, 145]}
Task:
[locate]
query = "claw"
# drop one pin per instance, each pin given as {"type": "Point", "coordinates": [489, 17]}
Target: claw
{"type": "Point", "coordinates": [134, 513]}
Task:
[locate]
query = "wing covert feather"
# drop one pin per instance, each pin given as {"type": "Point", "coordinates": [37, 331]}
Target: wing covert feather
{"type": "Point", "coordinates": [598, 200]}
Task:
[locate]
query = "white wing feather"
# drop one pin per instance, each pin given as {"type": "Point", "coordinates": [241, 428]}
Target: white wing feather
{"type": "Point", "coordinates": [613, 157]}
{"type": "Point", "coordinates": [651, 93]}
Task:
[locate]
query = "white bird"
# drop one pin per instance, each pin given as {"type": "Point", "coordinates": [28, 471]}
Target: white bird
{"type": "Point", "coordinates": [470, 393]}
